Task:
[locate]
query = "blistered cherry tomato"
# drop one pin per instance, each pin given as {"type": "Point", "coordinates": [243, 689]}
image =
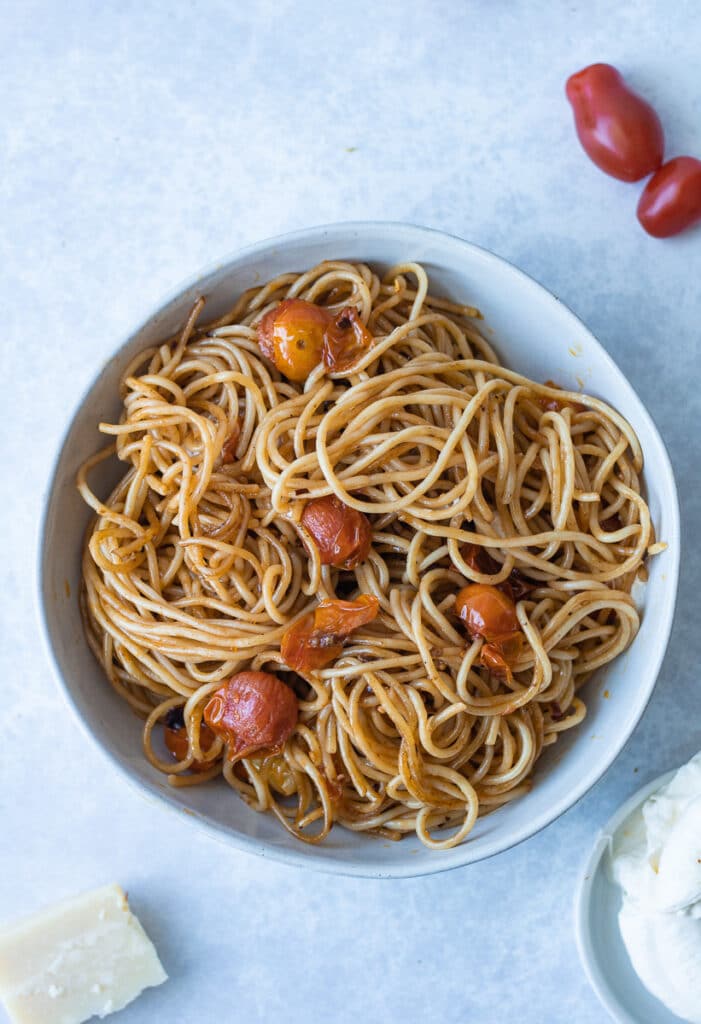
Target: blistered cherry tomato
{"type": "Point", "coordinates": [486, 611]}
{"type": "Point", "coordinates": [292, 337]}
{"type": "Point", "coordinates": [618, 129]}
{"type": "Point", "coordinates": [252, 711]}
{"type": "Point", "coordinates": [342, 534]}
{"type": "Point", "coordinates": [297, 335]}
{"type": "Point", "coordinates": [489, 613]}
{"type": "Point", "coordinates": [176, 740]}
{"type": "Point", "coordinates": [671, 200]}
{"type": "Point", "coordinates": [317, 638]}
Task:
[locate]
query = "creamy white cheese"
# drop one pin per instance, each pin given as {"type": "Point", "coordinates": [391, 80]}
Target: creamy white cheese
{"type": "Point", "coordinates": [82, 957]}
{"type": "Point", "coordinates": [656, 859]}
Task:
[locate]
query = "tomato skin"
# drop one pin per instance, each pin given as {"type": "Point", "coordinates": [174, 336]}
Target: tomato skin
{"type": "Point", "coordinates": [317, 638]}
{"type": "Point", "coordinates": [671, 200]}
{"type": "Point", "coordinates": [619, 131]}
{"type": "Point", "coordinates": [345, 341]}
{"type": "Point", "coordinates": [342, 534]}
{"type": "Point", "coordinates": [252, 711]}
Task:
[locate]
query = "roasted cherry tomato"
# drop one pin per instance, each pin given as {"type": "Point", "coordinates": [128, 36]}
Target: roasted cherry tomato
{"type": "Point", "coordinates": [618, 130]}
{"type": "Point", "coordinates": [671, 200]}
{"type": "Point", "coordinates": [342, 534]}
{"type": "Point", "coordinates": [252, 711]}
{"type": "Point", "coordinates": [486, 611]}
{"type": "Point", "coordinates": [317, 638]}
{"type": "Point", "coordinates": [292, 337]}
{"type": "Point", "coordinates": [297, 335]}
{"type": "Point", "coordinates": [490, 614]}
{"type": "Point", "coordinates": [175, 737]}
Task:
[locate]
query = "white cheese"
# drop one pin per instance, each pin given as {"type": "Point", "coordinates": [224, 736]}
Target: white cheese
{"type": "Point", "coordinates": [83, 957]}
{"type": "Point", "coordinates": [656, 859]}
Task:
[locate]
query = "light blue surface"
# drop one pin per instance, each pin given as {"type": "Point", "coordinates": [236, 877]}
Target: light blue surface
{"type": "Point", "coordinates": [137, 142]}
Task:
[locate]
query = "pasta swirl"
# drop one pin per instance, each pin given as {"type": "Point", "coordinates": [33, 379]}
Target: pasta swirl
{"type": "Point", "coordinates": [197, 564]}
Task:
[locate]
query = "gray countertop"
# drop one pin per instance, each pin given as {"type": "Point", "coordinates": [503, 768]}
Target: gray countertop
{"type": "Point", "coordinates": [141, 140]}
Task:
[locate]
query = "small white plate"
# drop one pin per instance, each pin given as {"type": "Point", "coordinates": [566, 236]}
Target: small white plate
{"type": "Point", "coordinates": [601, 949]}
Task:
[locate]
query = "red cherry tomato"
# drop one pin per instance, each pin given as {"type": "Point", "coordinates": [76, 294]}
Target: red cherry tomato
{"type": "Point", "coordinates": [252, 711]}
{"type": "Point", "coordinates": [343, 535]}
{"type": "Point", "coordinates": [618, 130]}
{"type": "Point", "coordinates": [671, 200]}
{"type": "Point", "coordinates": [486, 611]}
{"type": "Point", "coordinates": [317, 638]}
{"type": "Point", "coordinates": [490, 614]}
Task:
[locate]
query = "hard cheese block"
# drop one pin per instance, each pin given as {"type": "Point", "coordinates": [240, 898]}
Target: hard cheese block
{"type": "Point", "coordinates": [83, 957]}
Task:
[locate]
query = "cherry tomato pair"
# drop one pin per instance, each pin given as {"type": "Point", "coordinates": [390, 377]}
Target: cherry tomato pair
{"type": "Point", "coordinates": [622, 134]}
{"type": "Point", "coordinates": [298, 335]}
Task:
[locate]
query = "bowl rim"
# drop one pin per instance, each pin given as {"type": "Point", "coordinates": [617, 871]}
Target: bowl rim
{"type": "Point", "coordinates": [458, 856]}
{"type": "Point", "coordinates": [582, 899]}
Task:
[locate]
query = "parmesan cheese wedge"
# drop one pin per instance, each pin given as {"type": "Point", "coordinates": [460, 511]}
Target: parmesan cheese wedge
{"type": "Point", "coordinates": [82, 957]}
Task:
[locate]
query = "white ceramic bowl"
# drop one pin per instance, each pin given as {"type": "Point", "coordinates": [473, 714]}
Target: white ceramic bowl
{"type": "Point", "coordinates": [535, 334]}
{"type": "Point", "coordinates": [601, 947]}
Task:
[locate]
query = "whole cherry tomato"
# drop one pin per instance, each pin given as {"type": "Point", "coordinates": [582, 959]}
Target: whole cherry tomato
{"type": "Point", "coordinates": [292, 337]}
{"type": "Point", "coordinates": [342, 534]}
{"type": "Point", "coordinates": [618, 130]}
{"type": "Point", "coordinates": [671, 200]}
{"type": "Point", "coordinates": [252, 711]}
{"type": "Point", "coordinates": [486, 611]}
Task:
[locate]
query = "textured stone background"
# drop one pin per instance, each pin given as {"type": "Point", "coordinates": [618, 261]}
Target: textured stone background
{"type": "Point", "coordinates": [140, 140]}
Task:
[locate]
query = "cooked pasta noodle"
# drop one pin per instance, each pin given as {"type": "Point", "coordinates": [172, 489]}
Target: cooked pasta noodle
{"type": "Point", "coordinates": [197, 563]}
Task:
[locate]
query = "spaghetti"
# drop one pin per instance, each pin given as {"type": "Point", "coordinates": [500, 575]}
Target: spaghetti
{"type": "Point", "coordinates": [458, 476]}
